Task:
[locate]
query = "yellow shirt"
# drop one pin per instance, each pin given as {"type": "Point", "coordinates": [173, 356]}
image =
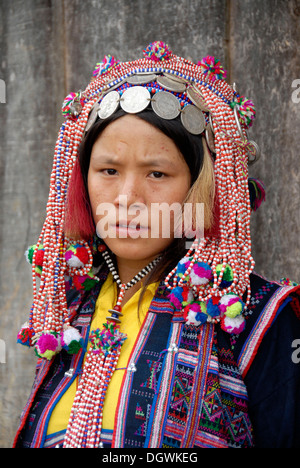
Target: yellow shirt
{"type": "Point", "coordinates": [130, 324]}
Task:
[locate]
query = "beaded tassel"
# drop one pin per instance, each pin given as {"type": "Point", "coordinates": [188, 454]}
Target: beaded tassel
{"type": "Point", "coordinates": [84, 427]}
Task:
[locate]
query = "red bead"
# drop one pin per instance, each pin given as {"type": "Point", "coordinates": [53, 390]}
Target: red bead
{"type": "Point", "coordinates": [118, 308]}
{"type": "Point", "coordinates": [101, 248]}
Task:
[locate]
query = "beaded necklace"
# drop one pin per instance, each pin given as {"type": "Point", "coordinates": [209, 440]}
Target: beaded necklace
{"type": "Point", "coordinates": [84, 427]}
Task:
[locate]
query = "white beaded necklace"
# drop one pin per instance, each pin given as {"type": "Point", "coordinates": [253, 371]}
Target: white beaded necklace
{"type": "Point", "coordinates": [84, 427]}
{"type": "Point", "coordinates": [116, 311]}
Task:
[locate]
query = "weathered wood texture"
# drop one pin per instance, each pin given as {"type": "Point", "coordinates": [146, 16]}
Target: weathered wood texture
{"type": "Point", "coordinates": [49, 48]}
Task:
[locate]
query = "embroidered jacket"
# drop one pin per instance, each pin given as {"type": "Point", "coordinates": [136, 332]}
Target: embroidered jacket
{"type": "Point", "coordinates": [190, 386]}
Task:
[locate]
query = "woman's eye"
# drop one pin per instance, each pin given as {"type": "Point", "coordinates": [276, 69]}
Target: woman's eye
{"type": "Point", "coordinates": [109, 171]}
{"type": "Point", "coordinates": [157, 174]}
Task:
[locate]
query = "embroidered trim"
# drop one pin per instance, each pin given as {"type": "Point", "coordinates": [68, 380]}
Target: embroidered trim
{"type": "Point", "coordinates": [199, 387]}
{"type": "Point", "coordinates": [160, 405]}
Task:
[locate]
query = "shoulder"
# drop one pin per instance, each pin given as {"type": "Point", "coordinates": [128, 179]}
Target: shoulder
{"type": "Point", "coordinates": [271, 303]}
{"type": "Point", "coordinates": [268, 356]}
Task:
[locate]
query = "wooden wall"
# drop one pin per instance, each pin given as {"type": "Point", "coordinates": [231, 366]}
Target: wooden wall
{"type": "Point", "coordinates": [49, 48]}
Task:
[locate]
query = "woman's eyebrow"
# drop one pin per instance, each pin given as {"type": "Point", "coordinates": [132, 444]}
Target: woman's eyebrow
{"type": "Point", "coordinates": [153, 161]}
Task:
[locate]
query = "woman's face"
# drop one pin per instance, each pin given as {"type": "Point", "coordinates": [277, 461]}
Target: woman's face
{"type": "Point", "coordinates": [137, 180]}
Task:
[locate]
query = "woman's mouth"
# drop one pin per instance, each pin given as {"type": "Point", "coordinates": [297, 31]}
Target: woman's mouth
{"type": "Point", "coordinates": [130, 229]}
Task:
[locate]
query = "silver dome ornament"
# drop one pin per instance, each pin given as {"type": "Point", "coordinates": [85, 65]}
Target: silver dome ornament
{"type": "Point", "coordinates": [135, 99]}
{"type": "Point", "coordinates": [92, 116]}
{"type": "Point", "coordinates": [165, 105]}
{"type": "Point", "coordinates": [141, 78]}
{"type": "Point", "coordinates": [209, 135]}
{"type": "Point", "coordinates": [109, 104]}
{"type": "Point", "coordinates": [196, 97]}
{"type": "Point", "coordinates": [171, 85]}
{"type": "Point", "coordinates": [193, 119]}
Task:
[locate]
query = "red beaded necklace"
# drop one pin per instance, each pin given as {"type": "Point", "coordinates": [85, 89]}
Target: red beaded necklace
{"type": "Point", "coordinates": [84, 427]}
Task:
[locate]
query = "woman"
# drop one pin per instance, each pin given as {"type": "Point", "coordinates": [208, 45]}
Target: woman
{"type": "Point", "coordinates": [166, 338]}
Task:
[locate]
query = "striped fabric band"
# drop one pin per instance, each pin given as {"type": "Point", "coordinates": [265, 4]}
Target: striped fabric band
{"type": "Point", "coordinates": [121, 412]}
{"type": "Point", "coordinates": [161, 403]}
{"type": "Point", "coordinates": [199, 387]}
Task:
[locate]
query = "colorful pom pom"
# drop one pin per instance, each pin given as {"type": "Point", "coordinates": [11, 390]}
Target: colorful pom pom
{"type": "Point", "coordinates": [195, 313]}
{"type": "Point", "coordinates": [25, 335]}
{"type": "Point", "coordinates": [71, 340]}
{"type": "Point", "coordinates": [287, 282]}
{"type": "Point", "coordinates": [84, 282]}
{"type": "Point", "coordinates": [231, 305]}
{"type": "Point", "coordinates": [212, 68]}
{"type": "Point", "coordinates": [233, 325]}
{"type": "Point", "coordinates": [180, 297]}
{"type": "Point", "coordinates": [227, 277]}
{"type": "Point", "coordinates": [72, 105]}
{"type": "Point", "coordinates": [257, 193]}
{"type": "Point", "coordinates": [246, 110]}
{"type": "Point", "coordinates": [105, 339]}
{"type": "Point", "coordinates": [212, 307]}
{"type": "Point", "coordinates": [76, 256]}
{"type": "Point", "coordinates": [200, 274]}
{"type": "Point", "coordinates": [39, 258]}
{"type": "Point", "coordinates": [182, 266]}
{"type": "Point", "coordinates": [157, 51]}
{"type": "Point", "coordinates": [105, 66]}
{"type": "Point", "coordinates": [47, 345]}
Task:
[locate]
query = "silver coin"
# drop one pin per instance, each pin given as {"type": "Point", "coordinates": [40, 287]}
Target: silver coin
{"type": "Point", "coordinates": [193, 119]}
{"type": "Point", "coordinates": [135, 99]}
{"type": "Point", "coordinates": [109, 104]}
{"type": "Point", "coordinates": [165, 105]}
{"type": "Point", "coordinates": [141, 78]}
{"type": "Point", "coordinates": [197, 98]}
{"type": "Point", "coordinates": [115, 86]}
{"type": "Point", "coordinates": [210, 138]}
{"type": "Point", "coordinates": [92, 117]}
{"type": "Point", "coordinates": [173, 77]}
{"type": "Point", "coordinates": [171, 85]}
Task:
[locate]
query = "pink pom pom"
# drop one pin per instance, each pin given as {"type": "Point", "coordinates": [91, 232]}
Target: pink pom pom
{"type": "Point", "coordinates": [47, 345]}
{"type": "Point", "coordinates": [233, 325]}
{"type": "Point", "coordinates": [200, 274]}
{"type": "Point", "coordinates": [105, 66]}
{"type": "Point", "coordinates": [212, 68]}
{"type": "Point", "coordinates": [158, 51]}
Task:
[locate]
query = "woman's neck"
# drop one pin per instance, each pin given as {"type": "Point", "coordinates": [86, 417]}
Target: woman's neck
{"type": "Point", "coordinates": [127, 269]}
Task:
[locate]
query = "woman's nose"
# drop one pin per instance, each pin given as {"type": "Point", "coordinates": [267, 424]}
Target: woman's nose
{"type": "Point", "coordinates": [130, 193]}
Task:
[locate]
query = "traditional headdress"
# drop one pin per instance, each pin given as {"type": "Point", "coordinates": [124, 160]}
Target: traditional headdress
{"type": "Point", "coordinates": [209, 283]}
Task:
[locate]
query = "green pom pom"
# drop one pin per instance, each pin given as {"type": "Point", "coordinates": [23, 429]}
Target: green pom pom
{"type": "Point", "coordinates": [29, 253]}
{"type": "Point", "coordinates": [227, 275]}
